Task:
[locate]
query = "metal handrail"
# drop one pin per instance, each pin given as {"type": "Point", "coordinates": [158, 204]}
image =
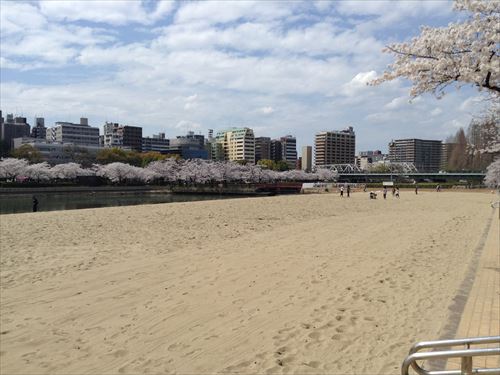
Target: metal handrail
{"type": "Point", "coordinates": [465, 354]}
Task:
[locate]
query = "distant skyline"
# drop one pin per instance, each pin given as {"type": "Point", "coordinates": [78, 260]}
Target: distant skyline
{"type": "Point", "coordinates": [277, 67]}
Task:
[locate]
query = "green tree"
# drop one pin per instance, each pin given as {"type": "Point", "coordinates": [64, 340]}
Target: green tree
{"type": "Point", "coordinates": [117, 155]}
{"type": "Point", "coordinates": [266, 163]}
{"type": "Point", "coordinates": [459, 155]}
{"type": "Point", "coordinates": [281, 166]}
{"type": "Point", "coordinates": [149, 157]}
{"type": "Point", "coordinates": [29, 153]}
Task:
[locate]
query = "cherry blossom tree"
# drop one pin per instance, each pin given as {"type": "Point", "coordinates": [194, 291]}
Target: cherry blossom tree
{"type": "Point", "coordinates": [69, 171]}
{"type": "Point", "coordinates": [462, 53]}
{"type": "Point", "coordinates": [10, 168]}
{"type": "Point", "coordinates": [167, 170]}
{"type": "Point", "coordinates": [492, 178]}
{"type": "Point", "coordinates": [324, 174]}
{"type": "Point", "coordinates": [39, 171]}
{"type": "Point", "coordinates": [119, 172]}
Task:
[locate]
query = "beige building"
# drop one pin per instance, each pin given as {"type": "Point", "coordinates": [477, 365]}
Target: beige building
{"type": "Point", "coordinates": [335, 147]}
{"type": "Point", "coordinates": [306, 158]}
{"type": "Point", "coordinates": [238, 144]}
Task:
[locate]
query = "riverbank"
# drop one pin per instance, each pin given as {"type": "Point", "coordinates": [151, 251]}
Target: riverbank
{"type": "Point", "coordinates": [286, 284]}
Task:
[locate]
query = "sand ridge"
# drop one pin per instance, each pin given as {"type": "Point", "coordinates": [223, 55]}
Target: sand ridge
{"type": "Point", "coordinates": [302, 284]}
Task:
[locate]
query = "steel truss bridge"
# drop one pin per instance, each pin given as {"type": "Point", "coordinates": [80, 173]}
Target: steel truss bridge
{"type": "Point", "coordinates": [418, 177]}
{"type": "Point", "coordinates": [391, 168]}
{"type": "Point", "coordinates": [399, 172]}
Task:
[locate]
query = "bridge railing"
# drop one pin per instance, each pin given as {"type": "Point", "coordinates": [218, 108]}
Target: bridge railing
{"type": "Point", "coordinates": [466, 356]}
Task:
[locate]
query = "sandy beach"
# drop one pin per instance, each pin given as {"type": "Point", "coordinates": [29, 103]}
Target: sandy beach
{"type": "Point", "coordinates": [286, 284]}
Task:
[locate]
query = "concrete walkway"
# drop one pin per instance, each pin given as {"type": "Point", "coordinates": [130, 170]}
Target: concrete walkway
{"type": "Point", "coordinates": [481, 316]}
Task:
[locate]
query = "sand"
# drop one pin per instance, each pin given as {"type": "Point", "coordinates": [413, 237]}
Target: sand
{"type": "Point", "coordinates": [289, 284]}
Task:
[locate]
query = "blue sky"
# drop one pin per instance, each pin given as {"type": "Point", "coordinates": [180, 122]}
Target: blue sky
{"type": "Point", "coordinates": [278, 67]}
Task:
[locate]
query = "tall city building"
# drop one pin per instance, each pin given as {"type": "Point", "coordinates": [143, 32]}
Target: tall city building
{"type": "Point", "coordinates": [262, 148]}
{"type": "Point", "coordinates": [10, 128]}
{"type": "Point", "coordinates": [335, 147]}
{"type": "Point", "coordinates": [79, 134]}
{"type": "Point", "coordinates": [39, 130]}
{"type": "Point", "coordinates": [306, 162]}
{"type": "Point", "coordinates": [276, 150]}
{"type": "Point", "coordinates": [237, 144]}
{"type": "Point", "coordinates": [289, 150]}
{"type": "Point", "coordinates": [156, 143]}
{"type": "Point", "coordinates": [122, 136]}
{"type": "Point", "coordinates": [424, 154]}
{"type": "Point", "coordinates": [132, 137]}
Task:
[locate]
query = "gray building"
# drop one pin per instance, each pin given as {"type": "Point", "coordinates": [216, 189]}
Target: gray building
{"type": "Point", "coordinates": [122, 136]}
{"type": "Point", "coordinates": [365, 159]}
{"type": "Point", "coordinates": [60, 153]}
{"type": "Point", "coordinates": [276, 150]}
{"type": "Point", "coordinates": [289, 150]}
{"type": "Point", "coordinates": [78, 134]}
{"type": "Point", "coordinates": [39, 130]}
{"type": "Point", "coordinates": [424, 154]}
{"type": "Point", "coordinates": [335, 147]}
{"type": "Point", "coordinates": [11, 127]}
{"type": "Point", "coordinates": [157, 143]}
{"type": "Point", "coordinates": [189, 146]}
{"type": "Point", "coordinates": [262, 148]}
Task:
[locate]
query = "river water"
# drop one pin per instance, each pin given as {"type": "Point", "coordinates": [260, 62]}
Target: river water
{"type": "Point", "coordinates": [10, 204]}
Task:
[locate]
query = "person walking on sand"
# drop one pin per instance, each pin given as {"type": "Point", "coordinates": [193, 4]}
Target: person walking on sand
{"type": "Point", "coordinates": [385, 192]}
{"type": "Point", "coordinates": [416, 189]}
{"type": "Point", "coordinates": [393, 191]}
{"type": "Point", "coordinates": [35, 204]}
{"type": "Point", "coordinates": [341, 191]}
{"type": "Point", "coordinates": [438, 188]}
{"type": "Point", "coordinates": [348, 191]}
{"type": "Point", "coordinates": [397, 192]}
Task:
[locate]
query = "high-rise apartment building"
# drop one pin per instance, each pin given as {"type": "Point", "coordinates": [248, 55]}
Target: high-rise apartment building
{"type": "Point", "coordinates": [10, 128]}
{"type": "Point", "coordinates": [262, 148]}
{"type": "Point", "coordinates": [122, 136]}
{"type": "Point", "coordinates": [39, 130]}
{"type": "Point", "coordinates": [132, 137]}
{"type": "Point", "coordinates": [238, 144]}
{"type": "Point", "coordinates": [424, 154]}
{"type": "Point", "coordinates": [306, 162]}
{"type": "Point", "coordinates": [289, 150]}
{"type": "Point", "coordinates": [78, 134]}
{"type": "Point", "coordinates": [335, 147]}
{"type": "Point", "coordinates": [276, 150]}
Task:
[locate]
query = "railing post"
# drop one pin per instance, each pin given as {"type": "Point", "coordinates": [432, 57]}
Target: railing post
{"type": "Point", "coordinates": [466, 366]}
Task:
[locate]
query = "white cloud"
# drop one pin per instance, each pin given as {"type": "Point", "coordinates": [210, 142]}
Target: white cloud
{"type": "Point", "coordinates": [191, 102]}
{"type": "Point", "coordinates": [214, 12]}
{"type": "Point", "coordinates": [266, 110]}
{"type": "Point", "coordinates": [436, 112]}
{"type": "Point", "coordinates": [397, 103]}
{"type": "Point", "coordinates": [358, 83]}
{"type": "Point", "coordinates": [186, 125]}
{"type": "Point", "coordinates": [471, 104]}
{"type": "Point", "coordinates": [116, 12]}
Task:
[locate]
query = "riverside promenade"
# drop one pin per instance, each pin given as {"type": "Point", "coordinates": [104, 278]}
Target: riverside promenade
{"type": "Point", "coordinates": [481, 315]}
